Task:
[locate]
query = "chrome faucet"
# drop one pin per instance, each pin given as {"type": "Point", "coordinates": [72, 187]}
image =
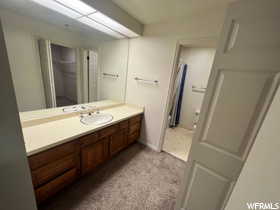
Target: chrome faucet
{"type": "Point", "coordinates": [85, 113]}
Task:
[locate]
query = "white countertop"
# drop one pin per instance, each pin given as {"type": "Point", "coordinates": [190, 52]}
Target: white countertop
{"type": "Point", "coordinates": [46, 135]}
{"type": "Point", "coordinates": [51, 112]}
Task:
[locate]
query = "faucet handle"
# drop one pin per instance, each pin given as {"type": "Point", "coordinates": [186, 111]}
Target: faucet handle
{"type": "Point", "coordinates": [85, 113]}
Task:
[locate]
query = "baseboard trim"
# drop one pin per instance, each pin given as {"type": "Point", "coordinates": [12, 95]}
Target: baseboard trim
{"type": "Point", "coordinates": [151, 146]}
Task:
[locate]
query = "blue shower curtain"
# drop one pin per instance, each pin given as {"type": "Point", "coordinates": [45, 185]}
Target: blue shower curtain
{"type": "Point", "coordinates": [178, 96]}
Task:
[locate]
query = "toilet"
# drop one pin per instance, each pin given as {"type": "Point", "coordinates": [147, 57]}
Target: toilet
{"type": "Point", "coordinates": [196, 118]}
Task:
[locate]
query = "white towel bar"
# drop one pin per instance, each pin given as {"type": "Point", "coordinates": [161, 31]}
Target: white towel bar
{"type": "Point", "coordinates": [146, 80]}
{"type": "Point", "coordinates": [111, 75]}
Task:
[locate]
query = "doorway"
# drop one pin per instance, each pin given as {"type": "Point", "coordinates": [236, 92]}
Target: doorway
{"type": "Point", "coordinates": [189, 85]}
{"type": "Point", "coordinates": [65, 75]}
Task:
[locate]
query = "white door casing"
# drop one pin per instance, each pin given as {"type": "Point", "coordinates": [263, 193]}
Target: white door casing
{"type": "Point", "coordinates": [242, 84]}
{"type": "Point", "coordinates": [93, 75]}
{"type": "Point", "coordinates": [47, 72]}
{"type": "Point", "coordinates": [82, 75]}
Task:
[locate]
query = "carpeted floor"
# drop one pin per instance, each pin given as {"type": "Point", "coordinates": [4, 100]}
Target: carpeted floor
{"type": "Point", "coordinates": [136, 179]}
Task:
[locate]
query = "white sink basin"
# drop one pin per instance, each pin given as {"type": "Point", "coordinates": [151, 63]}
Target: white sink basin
{"type": "Point", "coordinates": [96, 118]}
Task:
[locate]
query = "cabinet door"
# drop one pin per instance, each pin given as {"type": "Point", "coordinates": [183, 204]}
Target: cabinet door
{"type": "Point", "coordinates": [134, 129]}
{"type": "Point", "coordinates": [118, 141]}
{"type": "Point", "coordinates": [94, 154]}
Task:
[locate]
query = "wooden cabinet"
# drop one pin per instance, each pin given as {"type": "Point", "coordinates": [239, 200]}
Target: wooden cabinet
{"type": "Point", "coordinates": [45, 191]}
{"type": "Point", "coordinates": [102, 145]}
{"type": "Point", "coordinates": [46, 173]}
{"type": "Point", "coordinates": [56, 168]}
{"type": "Point", "coordinates": [134, 129]}
{"type": "Point", "coordinates": [118, 141]}
{"type": "Point", "coordinates": [93, 155]}
{"type": "Point", "coordinates": [51, 155]}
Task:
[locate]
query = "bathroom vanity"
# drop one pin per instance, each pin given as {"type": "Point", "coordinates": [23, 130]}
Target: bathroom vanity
{"type": "Point", "coordinates": [55, 162]}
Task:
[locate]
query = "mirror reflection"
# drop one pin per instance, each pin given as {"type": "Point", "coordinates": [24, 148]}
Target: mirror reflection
{"type": "Point", "coordinates": [59, 62]}
{"type": "Point", "coordinates": [64, 75]}
{"type": "Point", "coordinates": [72, 75]}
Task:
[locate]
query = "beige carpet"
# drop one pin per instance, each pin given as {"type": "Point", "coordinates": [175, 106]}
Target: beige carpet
{"type": "Point", "coordinates": [136, 179]}
{"type": "Point", "coordinates": [177, 142]}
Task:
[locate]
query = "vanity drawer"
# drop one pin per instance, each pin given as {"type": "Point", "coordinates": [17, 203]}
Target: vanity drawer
{"type": "Point", "coordinates": [51, 155]}
{"type": "Point", "coordinates": [135, 119]}
{"type": "Point", "coordinates": [133, 137]}
{"type": "Point", "coordinates": [134, 127]}
{"type": "Point", "coordinates": [50, 171]}
{"type": "Point", "coordinates": [123, 124]}
{"type": "Point", "coordinates": [108, 131]}
{"type": "Point", "coordinates": [44, 192]}
{"type": "Point", "coordinates": [89, 139]}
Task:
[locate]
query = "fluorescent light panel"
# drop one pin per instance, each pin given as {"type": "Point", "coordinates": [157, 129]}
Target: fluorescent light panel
{"type": "Point", "coordinates": [105, 20]}
{"type": "Point", "coordinates": [58, 8]}
{"type": "Point", "coordinates": [86, 14]}
{"type": "Point", "coordinates": [78, 6]}
{"type": "Point", "coordinates": [100, 27]}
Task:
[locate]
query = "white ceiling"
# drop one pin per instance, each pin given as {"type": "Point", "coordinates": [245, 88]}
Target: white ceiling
{"type": "Point", "coordinates": [31, 9]}
{"type": "Point", "coordinates": [155, 11]}
{"type": "Point", "coordinates": [146, 11]}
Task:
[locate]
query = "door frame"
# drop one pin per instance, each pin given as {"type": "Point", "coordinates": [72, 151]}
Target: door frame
{"type": "Point", "coordinates": [208, 41]}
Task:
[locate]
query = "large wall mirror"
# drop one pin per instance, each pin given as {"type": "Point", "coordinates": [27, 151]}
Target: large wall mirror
{"type": "Point", "coordinates": [75, 76]}
{"type": "Point", "coordinates": [51, 69]}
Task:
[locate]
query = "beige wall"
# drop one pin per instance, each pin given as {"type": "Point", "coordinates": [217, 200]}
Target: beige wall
{"type": "Point", "coordinates": [112, 58]}
{"type": "Point", "coordinates": [25, 66]}
{"type": "Point", "coordinates": [199, 61]}
{"type": "Point", "coordinates": [21, 35]}
{"type": "Point", "coordinates": [152, 57]}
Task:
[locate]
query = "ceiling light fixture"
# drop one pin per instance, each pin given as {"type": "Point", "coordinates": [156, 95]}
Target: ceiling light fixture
{"type": "Point", "coordinates": [58, 8]}
{"type": "Point", "coordinates": [105, 20]}
{"type": "Point", "coordinates": [86, 14]}
{"type": "Point", "coordinates": [78, 6]}
{"type": "Point", "coordinates": [100, 27]}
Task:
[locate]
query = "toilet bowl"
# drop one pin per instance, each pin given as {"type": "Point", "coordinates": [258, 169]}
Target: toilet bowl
{"type": "Point", "coordinates": [196, 118]}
